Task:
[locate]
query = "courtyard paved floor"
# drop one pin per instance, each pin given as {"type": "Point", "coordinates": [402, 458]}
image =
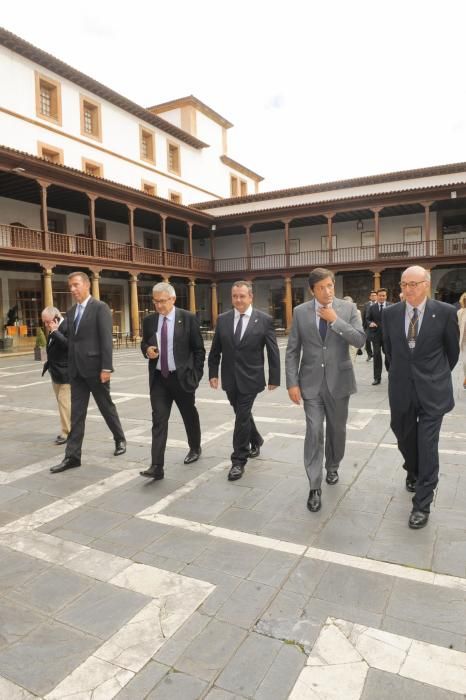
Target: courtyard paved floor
{"type": "Point", "coordinates": [116, 586]}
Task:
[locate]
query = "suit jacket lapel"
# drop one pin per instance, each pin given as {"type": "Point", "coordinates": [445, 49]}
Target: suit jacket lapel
{"type": "Point", "coordinates": [178, 329]}
{"type": "Point", "coordinates": [313, 325]}
{"type": "Point", "coordinates": [426, 322]}
{"type": "Point", "coordinates": [252, 320]}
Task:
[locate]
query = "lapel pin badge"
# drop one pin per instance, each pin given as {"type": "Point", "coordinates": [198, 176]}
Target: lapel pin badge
{"type": "Point", "coordinates": [433, 315]}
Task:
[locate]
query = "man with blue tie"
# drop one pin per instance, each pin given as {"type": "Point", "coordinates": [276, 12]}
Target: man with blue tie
{"type": "Point", "coordinates": [90, 365]}
{"type": "Point", "coordinates": [421, 338]}
{"type": "Point", "coordinates": [172, 342]}
{"type": "Point", "coordinates": [319, 371]}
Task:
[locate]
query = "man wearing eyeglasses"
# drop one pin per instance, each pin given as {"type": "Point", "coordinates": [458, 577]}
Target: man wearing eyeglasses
{"type": "Point", "coordinates": [421, 339]}
{"type": "Point", "coordinates": [172, 342]}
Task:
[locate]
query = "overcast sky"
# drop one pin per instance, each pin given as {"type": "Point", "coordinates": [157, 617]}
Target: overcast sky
{"type": "Point", "coordinates": [316, 90]}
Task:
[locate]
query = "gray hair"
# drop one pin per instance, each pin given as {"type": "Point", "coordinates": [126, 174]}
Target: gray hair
{"type": "Point", "coordinates": [164, 287]}
{"type": "Point", "coordinates": [420, 270]}
{"type": "Point", "coordinates": [348, 298]}
{"type": "Point", "coordinates": [51, 312]}
{"type": "Point", "coordinates": [242, 283]}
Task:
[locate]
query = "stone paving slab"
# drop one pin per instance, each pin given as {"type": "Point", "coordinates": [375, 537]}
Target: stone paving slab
{"type": "Point", "coordinates": [266, 609]}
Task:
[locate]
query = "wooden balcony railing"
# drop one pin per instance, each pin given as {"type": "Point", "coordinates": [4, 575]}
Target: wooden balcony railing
{"type": "Point", "coordinates": [82, 245]}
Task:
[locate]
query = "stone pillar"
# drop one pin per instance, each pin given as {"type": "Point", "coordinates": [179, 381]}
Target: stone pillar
{"type": "Point", "coordinates": [247, 231]}
{"type": "Point", "coordinates": [192, 295]}
{"type": "Point", "coordinates": [44, 219]}
{"type": "Point", "coordinates": [212, 242]}
{"type": "Point", "coordinates": [95, 289]}
{"type": "Point", "coordinates": [213, 304]}
{"type": "Point", "coordinates": [92, 199]}
{"type": "Point", "coordinates": [288, 303]}
{"type": "Point", "coordinates": [134, 305]}
{"type": "Point", "coordinates": [47, 286]}
{"type": "Point", "coordinates": [427, 206]}
{"type": "Point", "coordinates": [376, 284]}
{"type": "Point", "coordinates": [132, 238]}
{"type": "Point", "coordinates": [329, 236]}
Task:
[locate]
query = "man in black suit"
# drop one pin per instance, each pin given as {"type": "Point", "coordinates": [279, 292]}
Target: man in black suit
{"type": "Point", "coordinates": [421, 340]}
{"type": "Point", "coordinates": [57, 366]}
{"type": "Point", "coordinates": [374, 320]}
{"type": "Point", "coordinates": [172, 342]}
{"type": "Point", "coordinates": [90, 348]}
{"type": "Point", "coordinates": [240, 337]}
{"type": "Point", "coordinates": [365, 322]}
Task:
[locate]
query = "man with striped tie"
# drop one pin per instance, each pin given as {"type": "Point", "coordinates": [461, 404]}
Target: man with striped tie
{"type": "Point", "coordinates": [421, 340]}
{"type": "Point", "coordinates": [90, 365]}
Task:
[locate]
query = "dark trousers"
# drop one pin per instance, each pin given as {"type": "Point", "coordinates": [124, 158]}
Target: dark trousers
{"type": "Point", "coordinates": [377, 345]}
{"type": "Point", "coordinates": [417, 434]}
{"type": "Point", "coordinates": [245, 433]}
{"type": "Point", "coordinates": [81, 390]}
{"type": "Point", "coordinates": [369, 348]}
{"type": "Point", "coordinates": [163, 392]}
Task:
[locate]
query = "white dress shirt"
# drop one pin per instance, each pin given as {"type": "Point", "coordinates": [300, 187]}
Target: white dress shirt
{"type": "Point", "coordinates": [246, 317]}
{"type": "Point", "coordinates": [170, 332]}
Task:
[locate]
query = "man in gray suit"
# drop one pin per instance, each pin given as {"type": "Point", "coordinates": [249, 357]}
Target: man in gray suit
{"type": "Point", "coordinates": [320, 371]}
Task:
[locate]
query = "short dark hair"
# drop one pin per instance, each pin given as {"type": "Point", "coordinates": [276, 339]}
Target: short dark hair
{"type": "Point", "coordinates": [382, 289]}
{"type": "Point", "coordinates": [242, 283]}
{"type": "Point", "coordinates": [318, 274]}
{"type": "Point", "coordinates": [372, 292]}
{"type": "Point", "coordinates": [84, 276]}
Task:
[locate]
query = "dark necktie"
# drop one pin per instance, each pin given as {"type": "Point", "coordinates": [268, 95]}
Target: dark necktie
{"type": "Point", "coordinates": [238, 329]}
{"type": "Point", "coordinates": [381, 308]}
{"type": "Point", "coordinates": [77, 318]}
{"type": "Point", "coordinates": [164, 348]}
{"type": "Point", "coordinates": [322, 328]}
{"type": "Point", "coordinates": [412, 329]}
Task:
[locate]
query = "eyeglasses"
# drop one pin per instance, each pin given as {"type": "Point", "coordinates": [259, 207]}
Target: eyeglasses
{"type": "Point", "coordinates": [411, 285]}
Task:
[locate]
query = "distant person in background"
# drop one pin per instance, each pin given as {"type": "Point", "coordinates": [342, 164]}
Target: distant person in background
{"type": "Point", "coordinates": [353, 351]}
{"type": "Point", "coordinates": [365, 323]}
{"type": "Point", "coordinates": [462, 324]}
{"type": "Point", "coordinates": [374, 320]}
{"type": "Point", "coordinates": [57, 367]}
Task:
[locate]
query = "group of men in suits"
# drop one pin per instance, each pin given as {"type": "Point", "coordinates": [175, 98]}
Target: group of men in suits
{"type": "Point", "coordinates": [420, 338]}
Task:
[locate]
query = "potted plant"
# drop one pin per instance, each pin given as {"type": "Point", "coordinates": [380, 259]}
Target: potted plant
{"type": "Point", "coordinates": [40, 352]}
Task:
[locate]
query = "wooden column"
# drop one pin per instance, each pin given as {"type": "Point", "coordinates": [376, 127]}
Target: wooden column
{"type": "Point", "coordinates": [376, 284]}
{"type": "Point", "coordinates": [192, 295]}
{"type": "Point", "coordinates": [95, 288]}
{"type": "Point", "coordinates": [247, 232]}
{"type": "Point", "coordinates": [92, 199]}
{"type": "Point", "coordinates": [44, 219]}
{"type": "Point", "coordinates": [329, 236]}
{"type": "Point", "coordinates": [134, 305]}
{"type": "Point", "coordinates": [190, 241]}
{"type": "Point", "coordinates": [163, 242]}
{"type": "Point", "coordinates": [213, 304]}
{"type": "Point", "coordinates": [132, 237]}
{"type": "Point", "coordinates": [47, 286]}
{"type": "Point", "coordinates": [288, 303]}
{"type": "Point", "coordinates": [376, 211]}
{"type": "Point", "coordinates": [427, 206]}
{"type": "Point", "coordinates": [287, 242]}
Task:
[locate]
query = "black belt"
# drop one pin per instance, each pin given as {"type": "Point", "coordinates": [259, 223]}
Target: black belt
{"type": "Point", "coordinates": [169, 371]}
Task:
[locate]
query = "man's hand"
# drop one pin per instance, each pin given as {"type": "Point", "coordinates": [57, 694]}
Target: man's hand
{"type": "Point", "coordinates": [294, 392]}
{"type": "Point", "coordinates": [327, 313]}
{"type": "Point", "coordinates": [105, 376]}
{"type": "Point", "coordinates": [271, 387]}
{"type": "Point", "coordinates": [372, 324]}
{"type": "Point", "coordinates": [152, 352]}
{"type": "Point", "coordinates": [53, 325]}
{"type": "Point", "coordinates": [214, 382]}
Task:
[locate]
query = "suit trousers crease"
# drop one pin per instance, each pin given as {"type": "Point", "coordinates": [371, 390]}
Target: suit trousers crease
{"type": "Point", "coordinates": [163, 392]}
{"type": "Point", "coordinates": [63, 396]}
{"type": "Point", "coordinates": [335, 412]}
{"type": "Point", "coordinates": [245, 432]}
{"type": "Point", "coordinates": [377, 345]}
{"type": "Point", "coordinates": [417, 434]}
{"type": "Point", "coordinates": [81, 389]}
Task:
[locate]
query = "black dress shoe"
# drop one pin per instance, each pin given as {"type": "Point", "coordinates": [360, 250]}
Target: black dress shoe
{"type": "Point", "coordinates": [411, 484]}
{"type": "Point", "coordinates": [155, 472]}
{"type": "Point", "coordinates": [120, 447]}
{"type": "Point", "coordinates": [375, 382]}
{"type": "Point", "coordinates": [254, 451]}
{"type": "Point", "coordinates": [68, 463]}
{"type": "Point", "coordinates": [332, 477]}
{"type": "Point", "coordinates": [236, 472]}
{"type": "Point", "coordinates": [314, 501]}
{"type": "Point", "coordinates": [192, 456]}
{"type": "Point", "coordinates": [60, 440]}
{"type": "Point", "coordinates": [418, 519]}
{"type": "Point", "coordinates": [369, 358]}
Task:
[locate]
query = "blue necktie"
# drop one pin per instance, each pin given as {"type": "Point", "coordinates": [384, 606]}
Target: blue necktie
{"type": "Point", "coordinates": [322, 328]}
{"type": "Point", "coordinates": [77, 318]}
